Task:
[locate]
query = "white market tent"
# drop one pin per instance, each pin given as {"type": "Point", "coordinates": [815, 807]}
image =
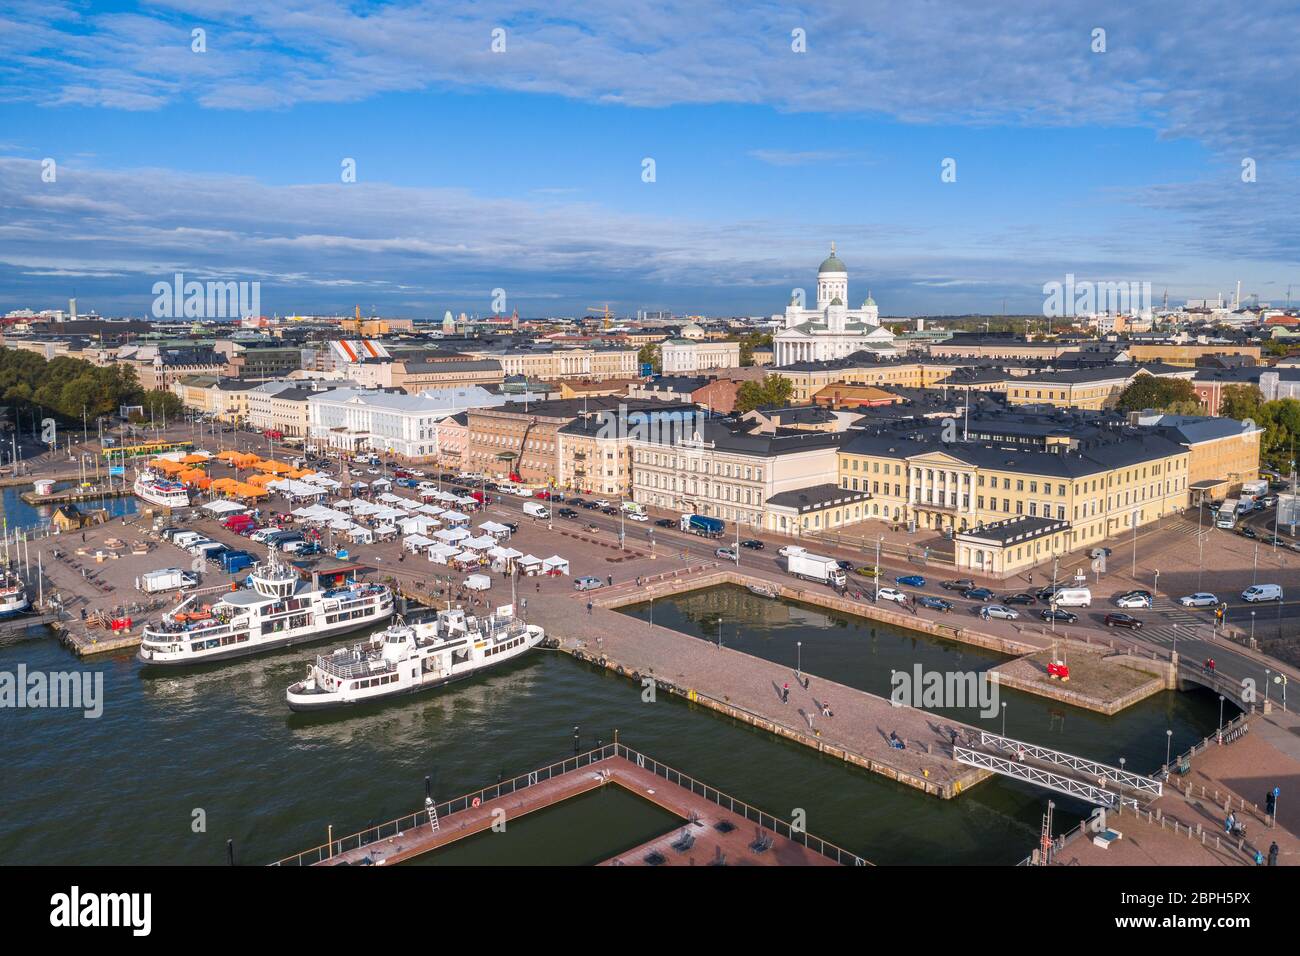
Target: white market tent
{"type": "Point", "coordinates": [557, 564]}
{"type": "Point", "coordinates": [417, 524]}
{"type": "Point", "coordinates": [529, 564]}
{"type": "Point", "coordinates": [416, 543]}
{"type": "Point", "coordinates": [451, 535]}
{"type": "Point", "coordinates": [360, 534]}
{"type": "Point", "coordinates": [341, 524]}
{"type": "Point", "coordinates": [504, 554]}
{"type": "Point", "coordinates": [431, 509]}
{"type": "Point", "coordinates": [481, 543]}
{"type": "Point", "coordinates": [455, 517]}
{"type": "Point", "coordinates": [223, 507]}
{"type": "Point", "coordinates": [493, 528]}
{"type": "Point", "coordinates": [391, 498]}
{"type": "Point", "coordinates": [441, 553]}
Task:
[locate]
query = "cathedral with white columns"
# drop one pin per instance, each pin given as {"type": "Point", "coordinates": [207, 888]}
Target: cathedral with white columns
{"type": "Point", "coordinates": [831, 330]}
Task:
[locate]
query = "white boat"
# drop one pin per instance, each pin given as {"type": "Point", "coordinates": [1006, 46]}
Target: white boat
{"type": "Point", "coordinates": [13, 597]}
{"type": "Point", "coordinates": [407, 658]}
{"type": "Point", "coordinates": [154, 488]}
{"type": "Point", "coordinates": [279, 609]}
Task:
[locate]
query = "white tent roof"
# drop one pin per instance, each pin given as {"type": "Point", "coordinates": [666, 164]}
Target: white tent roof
{"type": "Point", "coordinates": [555, 561]}
{"type": "Point", "coordinates": [341, 524]}
{"type": "Point", "coordinates": [504, 553]}
{"type": "Point", "coordinates": [454, 516]}
{"type": "Point", "coordinates": [441, 552]}
{"type": "Point", "coordinates": [381, 483]}
{"type": "Point", "coordinates": [391, 498]}
{"type": "Point", "coordinates": [467, 500]}
{"type": "Point", "coordinates": [492, 527]}
{"type": "Point", "coordinates": [416, 541]}
{"type": "Point", "coordinates": [481, 543]}
{"type": "Point", "coordinates": [465, 556]}
{"type": "Point", "coordinates": [530, 559]}
{"type": "Point", "coordinates": [451, 534]}
{"type": "Point", "coordinates": [223, 507]}
{"type": "Point", "coordinates": [431, 509]}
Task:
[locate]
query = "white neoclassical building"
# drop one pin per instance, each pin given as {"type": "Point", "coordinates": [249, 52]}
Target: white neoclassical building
{"type": "Point", "coordinates": [684, 357]}
{"type": "Point", "coordinates": [831, 330]}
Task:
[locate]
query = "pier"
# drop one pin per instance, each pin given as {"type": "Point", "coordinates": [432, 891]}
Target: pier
{"type": "Point", "coordinates": [716, 829]}
{"type": "Point", "coordinates": [73, 496]}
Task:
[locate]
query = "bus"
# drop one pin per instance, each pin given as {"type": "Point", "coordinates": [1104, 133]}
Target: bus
{"type": "Point", "coordinates": [146, 449]}
{"type": "Point", "coordinates": [1227, 515]}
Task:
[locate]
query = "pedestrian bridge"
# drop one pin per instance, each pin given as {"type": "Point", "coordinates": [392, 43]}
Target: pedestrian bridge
{"type": "Point", "coordinates": [1075, 776]}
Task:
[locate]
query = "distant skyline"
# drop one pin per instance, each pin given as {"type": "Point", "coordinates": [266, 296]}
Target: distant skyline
{"type": "Point", "coordinates": [522, 170]}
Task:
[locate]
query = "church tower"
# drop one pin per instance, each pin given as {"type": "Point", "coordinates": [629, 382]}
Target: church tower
{"type": "Point", "coordinates": [832, 281]}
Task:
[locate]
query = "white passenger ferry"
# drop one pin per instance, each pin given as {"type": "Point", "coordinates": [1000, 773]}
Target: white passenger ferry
{"type": "Point", "coordinates": [407, 658]}
{"type": "Point", "coordinates": [13, 596]}
{"type": "Point", "coordinates": [280, 609]}
{"type": "Point", "coordinates": [154, 488]}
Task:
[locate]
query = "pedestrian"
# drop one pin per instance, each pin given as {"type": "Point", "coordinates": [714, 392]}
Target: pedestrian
{"type": "Point", "coordinates": [539, 587]}
{"type": "Point", "coordinates": [1229, 823]}
{"type": "Point", "coordinates": [1272, 854]}
{"type": "Point", "coordinates": [785, 693]}
{"type": "Point", "coordinates": [610, 579]}
{"type": "Point", "coordinates": [588, 607]}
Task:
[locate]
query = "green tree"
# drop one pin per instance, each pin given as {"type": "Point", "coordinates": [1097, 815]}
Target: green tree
{"type": "Point", "coordinates": [772, 390]}
{"type": "Point", "coordinates": [650, 354]}
{"type": "Point", "coordinates": [752, 341]}
{"type": "Point", "coordinates": [1148, 391]}
{"type": "Point", "coordinates": [1241, 402]}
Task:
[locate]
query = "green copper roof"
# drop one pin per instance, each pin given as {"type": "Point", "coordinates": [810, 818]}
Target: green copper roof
{"type": "Point", "coordinates": [832, 264]}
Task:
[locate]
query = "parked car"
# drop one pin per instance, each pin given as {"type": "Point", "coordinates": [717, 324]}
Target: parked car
{"type": "Point", "coordinates": [1134, 599]}
{"type": "Point", "coordinates": [1021, 598]}
{"type": "Point", "coordinates": [998, 611]}
{"type": "Point", "coordinates": [934, 603]}
{"type": "Point", "coordinates": [641, 516]}
{"type": "Point", "coordinates": [1116, 619]}
{"type": "Point", "coordinates": [1046, 594]}
{"type": "Point", "coordinates": [1056, 614]}
{"type": "Point", "coordinates": [753, 544]}
{"type": "Point", "coordinates": [1248, 532]}
{"type": "Point", "coordinates": [961, 584]}
{"type": "Point", "coordinates": [978, 594]}
{"type": "Point", "coordinates": [868, 571]}
{"type": "Point", "coordinates": [892, 594]}
{"type": "Point", "coordinates": [567, 513]}
{"type": "Point", "coordinates": [727, 554]}
{"type": "Point", "coordinates": [589, 505]}
{"type": "Point", "coordinates": [512, 525]}
{"type": "Point", "coordinates": [1269, 500]}
{"type": "Point", "coordinates": [910, 580]}
{"type": "Point", "coordinates": [1199, 599]}
{"type": "Point", "coordinates": [586, 583]}
{"type": "Point", "coordinates": [611, 510]}
{"type": "Point", "coordinates": [602, 503]}
{"type": "Point", "coordinates": [665, 523]}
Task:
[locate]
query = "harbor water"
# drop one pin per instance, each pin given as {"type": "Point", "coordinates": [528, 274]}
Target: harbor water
{"type": "Point", "coordinates": [180, 761]}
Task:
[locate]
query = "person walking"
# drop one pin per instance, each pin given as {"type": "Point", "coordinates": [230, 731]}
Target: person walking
{"type": "Point", "coordinates": [589, 607]}
{"type": "Point", "coordinates": [1272, 854]}
{"type": "Point", "coordinates": [785, 693]}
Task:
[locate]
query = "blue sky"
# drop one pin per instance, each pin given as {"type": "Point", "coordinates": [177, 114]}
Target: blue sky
{"type": "Point", "coordinates": [523, 169]}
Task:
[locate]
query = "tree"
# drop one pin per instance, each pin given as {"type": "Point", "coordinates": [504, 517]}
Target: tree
{"type": "Point", "coordinates": [1148, 391]}
{"type": "Point", "coordinates": [1241, 402]}
{"type": "Point", "coordinates": [650, 354]}
{"type": "Point", "coordinates": [773, 390]}
{"type": "Point", "coordinates": [751, 341]}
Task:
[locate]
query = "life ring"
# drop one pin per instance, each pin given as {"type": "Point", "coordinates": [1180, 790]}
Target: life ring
{"type": "Point", "coordinates": [602, 662]}
{"type": "Point", "coordinates": [619, 670]}
{"type": "Point", "coordinates": [475, 802]}
{"type": "Point", "coordinates": [636, 676]}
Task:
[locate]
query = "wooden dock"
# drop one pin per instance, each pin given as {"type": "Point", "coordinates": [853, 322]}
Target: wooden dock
{"type": "Point", "coordinates": [73, 496]}
{"type": "Point", "coordinates": [716, 829]}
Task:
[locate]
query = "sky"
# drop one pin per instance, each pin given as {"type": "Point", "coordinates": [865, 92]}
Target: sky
{"type": "Point", "coordinates": [698, 158]}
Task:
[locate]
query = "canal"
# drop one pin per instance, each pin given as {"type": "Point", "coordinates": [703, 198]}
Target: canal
{"type": "Point", "coordinates": [179, 762]}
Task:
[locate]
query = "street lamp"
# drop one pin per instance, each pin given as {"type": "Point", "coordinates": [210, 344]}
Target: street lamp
{"type": "Point", "coordinates": [1169, 740]}
{"type": "Point", "coordinates": [1004, 718]}
{"type": "Point", "coordinates": [798, 660]}
{"type": "Point", "coordinates": [1252, 628]}
{"type": "Point", "coordinates": [1221, 700]}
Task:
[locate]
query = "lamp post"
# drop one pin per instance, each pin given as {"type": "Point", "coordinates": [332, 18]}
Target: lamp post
{"type": "Point", "coordinates": [1122, 761]}
{"type": "Point", "coordinates": [1221, 700]}
{"type": "Point", "coordinates": [1169, 740]}
{"type": "Point", "coordinates": [1252, 628]}
{"type": "Point", "coordinates": [798, 659]}
{"type": "Point", "coordinates": [1004, 718]}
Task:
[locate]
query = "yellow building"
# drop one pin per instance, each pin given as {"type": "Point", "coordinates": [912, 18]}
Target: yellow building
{"type": "Point", "coordinates": [1099, 491]}
{"type": "Point", "coordinates": [1092, 388]}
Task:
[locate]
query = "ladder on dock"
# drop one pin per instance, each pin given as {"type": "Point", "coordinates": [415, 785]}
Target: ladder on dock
{"type": "Point", "coordinates": [1076, 776]}
{"type": "Point", "coordinates": [432, 808]}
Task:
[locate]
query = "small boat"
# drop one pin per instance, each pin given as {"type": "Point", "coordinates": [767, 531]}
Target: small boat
{"type": "Point", "coordinates": [762, 590]}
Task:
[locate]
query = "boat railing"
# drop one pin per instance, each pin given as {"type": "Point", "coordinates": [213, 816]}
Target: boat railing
{"type": "Point", "coordinates": [350, 669]}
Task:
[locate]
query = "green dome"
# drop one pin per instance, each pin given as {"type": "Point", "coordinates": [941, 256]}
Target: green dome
{"type": "Point", "coordinates": [832, 264]}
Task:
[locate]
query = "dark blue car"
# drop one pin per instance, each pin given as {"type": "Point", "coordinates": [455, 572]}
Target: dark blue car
{"type": "Point", "coordinates": [934, 603]}
{"type": "Point", "coordinates": [911, 580]}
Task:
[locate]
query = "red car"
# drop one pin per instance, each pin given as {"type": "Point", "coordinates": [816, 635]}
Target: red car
{"type": "Point", "coordinates": [543, 495]}
{"type": "Point", "coordinates": [273, 435]}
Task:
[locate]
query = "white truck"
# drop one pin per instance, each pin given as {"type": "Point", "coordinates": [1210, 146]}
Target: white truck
{"type": "Point", "coordinates": [1250, 490]}
{"type": "Point", "coordinates": [1227, 516]}
{"type": "Point", "coordinates": [813, 567]}
{"type": "Point", "coordinates": [536, 509]}
{"type": "Point", "coordinates": [166, 579]}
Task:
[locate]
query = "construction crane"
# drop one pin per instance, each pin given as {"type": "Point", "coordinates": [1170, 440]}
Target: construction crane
{"type": "Point", "coordinates": [601, 310]}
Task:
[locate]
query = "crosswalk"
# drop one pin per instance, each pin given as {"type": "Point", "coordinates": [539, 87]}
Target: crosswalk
{"type": "Point", "coordinates": [1167, 619]}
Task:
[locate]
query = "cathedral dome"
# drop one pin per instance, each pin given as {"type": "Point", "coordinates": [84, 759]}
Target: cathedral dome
{"type": "Point", "coordinates": [832, 264]}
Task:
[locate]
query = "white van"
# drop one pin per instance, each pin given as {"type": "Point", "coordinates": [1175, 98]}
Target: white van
{"type": "Point", "coordinates": [1262, 592]}
{"type": "Point", "coordinates": [536, 509]}
{"type": "Point", "coordinates": [1072, 597]}
{"type": "Point", "coordinates": [184, 539]}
